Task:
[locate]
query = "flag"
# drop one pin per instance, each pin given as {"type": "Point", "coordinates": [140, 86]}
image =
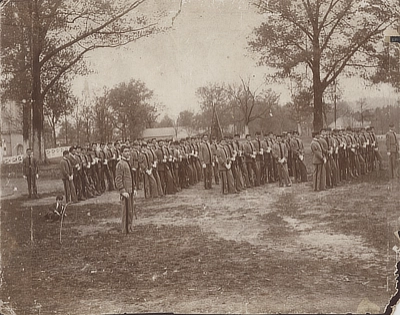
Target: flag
{"type": "Point", "coordinates": [216, 130]}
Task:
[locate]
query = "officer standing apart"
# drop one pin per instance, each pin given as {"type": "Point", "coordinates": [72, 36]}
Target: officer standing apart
{"type": "Point", "coordinates": [31, 173]}
{"type": "Point", "coordinates": [127, 189]}
{"type": "Point", "coordinates": [392, 147]}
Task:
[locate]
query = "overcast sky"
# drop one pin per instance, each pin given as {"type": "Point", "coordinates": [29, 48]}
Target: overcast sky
{"type": "Point", "coordinates": [207, 43]}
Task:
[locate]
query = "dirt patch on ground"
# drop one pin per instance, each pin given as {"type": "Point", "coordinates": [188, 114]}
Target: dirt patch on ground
{"type": "Point", "coordinates": [265, 250]}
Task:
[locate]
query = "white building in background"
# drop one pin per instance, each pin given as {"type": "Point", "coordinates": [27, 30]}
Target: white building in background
{"type": "Point", "coordinates": [11, 130]}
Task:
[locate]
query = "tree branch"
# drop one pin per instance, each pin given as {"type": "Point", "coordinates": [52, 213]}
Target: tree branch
{"type": "Point", "coordinates": [91, 32]}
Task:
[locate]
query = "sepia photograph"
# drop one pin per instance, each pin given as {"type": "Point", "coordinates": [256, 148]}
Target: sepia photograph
{"type": "Point", "coordinates": [199, 156]}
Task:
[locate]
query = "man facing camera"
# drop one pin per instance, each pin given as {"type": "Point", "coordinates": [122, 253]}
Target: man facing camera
{"type": "Point", "coordinates": [31, 172]}
{"type": "Point", "coordinates": [127, 189]}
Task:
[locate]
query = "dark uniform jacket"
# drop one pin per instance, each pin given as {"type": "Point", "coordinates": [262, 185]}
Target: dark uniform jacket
{"type": "Point", "coordinates": [316, 150]}
{"type": "Point", "coordinates": [392, 144]}
{"type": "Point", "coordinates": [222, 157]}
{"type": "Point", "coordinates": [33, 168]}
{"type": "Point", "coordinates": [123, 177]}
{"type": "Point", "coordinates": [249, 150]}
{"type": "Point", "coordinates": [280, 151]}
{"type": "Point", "coordinates": [205, 153]}
{"type": "Point", "coordinates": [66, 168]}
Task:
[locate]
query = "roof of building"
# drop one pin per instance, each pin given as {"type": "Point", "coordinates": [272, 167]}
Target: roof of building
{"type": "Point", "coordinates": [164, 133]}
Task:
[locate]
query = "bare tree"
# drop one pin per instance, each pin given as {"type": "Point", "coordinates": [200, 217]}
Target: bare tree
{"type": "Point", "coordinates": [251, 103]}
{"type": "Point", "coordinates": [362, 105]}
{"type": "Point", "coordinates": [213, 96]}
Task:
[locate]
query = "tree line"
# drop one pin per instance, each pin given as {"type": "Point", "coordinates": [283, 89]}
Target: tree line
{"type": "Point", "coordinates": [308, 45]}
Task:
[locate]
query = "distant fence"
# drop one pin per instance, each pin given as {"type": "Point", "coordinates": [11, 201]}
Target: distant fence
{"type": "Point", "coordinates": [16, 159]}
{"type": "Point", "coordinates": [50, 154]}
{"type": "Point", "coordinates": [55, 152]}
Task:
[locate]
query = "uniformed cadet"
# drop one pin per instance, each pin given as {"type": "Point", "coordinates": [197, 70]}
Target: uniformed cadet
{"type": "Point", "coordinates": [250, 154]}
{"type": "Point", "coordinates": [81, 171]}
{"type": "Point", "coordinates": [166, 176]}
{"type": "Point", "coordinates": [325, 168]}
{"type": "Point", "coordinates": [361, 141]}
{"type": "Point", "coordinates": [206, 161]}
{"type": "Point", "coordinates": [192, 161]}
{"type": "Point", "coordinates": [176, 162]}
{"type": "Point", "coordinates": [100, 168]}
{"type": "Point", "coordinates": [224, 166]}
{"type": "Point", "coordinates": [113, 158]}
{"type": "Point", "coordinates": [236, 167]}
{"type": "Point", "coordinates": [134, 163]}
{"type": "Point", "coordinates": [318, 161]}
{"type": "Point", "coordinates": [330, 164]}
{"type": "Point", "coordinates": [269, 160]}
{"type": "Point", "coordinates": [280, 153]}
{"type": "Point", "coordinates": [342, 157]}
{"type": "Point", "coordinates": [375, 155]}
{"type": "Point", "coordinates": [286, 142]}
{"type": "Point", "coordinates": [30, 172]}
{"type": "Point", "coordinates": [370, 151]}
{"type": "Point", "coordinates": [335, 157]}
{"type": "Point", "coordinates": [294, 156]}
{"type": "Point", "coordinates": [199, 171]}
{"type": "Point", "coordinates": [146, 166]}
{"type": "Point", "coordinates": [274, 163]}
{"type": "Point", "coordinates": [259, 161]}
{"type": "Point", "coordinates": [90, 187]}
{"type": "Point", "coordinates": [171, 165]}
{"type": "Point", "coordinates": [127, 188]}
{"type": "Point", "coordinates": [106, 168]}
{"type": "Point", "coordinates": [156, 162]}
{"type": "Point", "coordinates": [392, 149]}
{"type": "Point", "coordinates": [241, 161]}
{"type": "Point", "coordinates": [214, 147]}
{"type": "Point", "coordinates": [352, 155]}
{"type": "Point", "coordinates": [76, 168]}
{"type": "Point", "coordinates": [188, 154]}
{"type": "Point", "coordinates": [184, 168]}
{"type": "Point", "coordinates": [298, 156]}
{"type": "Point", "coordinates": [67, 176]}
{"type": "Point", "coordinates": [93, 167]}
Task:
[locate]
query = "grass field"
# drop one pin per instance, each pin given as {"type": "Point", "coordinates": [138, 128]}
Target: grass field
{"type": "Point", "coordinates": [266, 250]}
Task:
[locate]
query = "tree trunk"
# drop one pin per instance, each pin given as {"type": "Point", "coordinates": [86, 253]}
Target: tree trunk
{"type": "Point", "coordinates": [246, 129]}
{"type": "Point", "coordinates": [37, 100]}
{"type": "Point", "coordinates": [299, 128]}
{"type": "Point", "coordinates": [317, 86]}
{"type": "Point", "coordinates": [66, 128]}
{"type": "Point", "coordinates": [26, 122]}
{"type": "Point", "coordinates": [53, 128]}
{"type": "Point", "coordinates": [78, 128]}
{"type": "Point", "coordinates": [87, 131]}
{"type": "Point", "coordinates": [318, 91]}
{"type": "Point", "coordinates": [37, 114]}
{"type": "Point", "coordinates": [318, 116]}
